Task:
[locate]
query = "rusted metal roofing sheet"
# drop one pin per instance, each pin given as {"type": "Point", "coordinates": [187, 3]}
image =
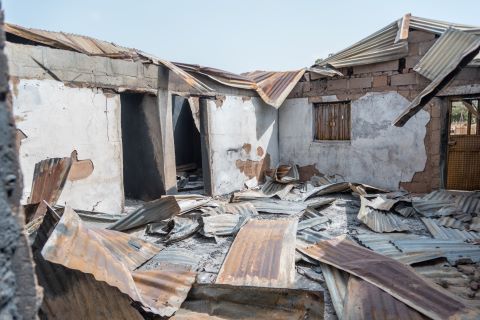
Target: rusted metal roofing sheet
{"type": "Point", "coordinates": [379, 221]}
{"type": "Point", "coordinates": [94, 47]}
{"type": "Point", "coordinates": [429, 300]}
{"type": "Point", "coordinates": [440, 232]}
{"type": "Point", "coordinates": [450, 53]}
{"type": "Point", "coordinates": [262, 255]}
{"type": "Point", "coordinates": [453, 250]}
{"type": "Point", "coordinates": [71, 294]}
{"type": "Point", "coordinates": [274, 87]}
{"type": "Point", "coordinates": [272, 188]}
{"type": "Point", "coordinates": [49, 177]}
{"type": "Point", "coordinates": [177, 256]}
{"type": "Point", "coordinates": [222, 224]}
{"type": "Point", "coordinates": [450, 222]}
{"type": "Point", "coordinates": [435, 204]}
{"type": "Point", "coordinates": [312, 222]}
{"type": "Point", "coordinates": [269, 205]}
{"type": "Point", "coordinates": [153, 211]}
{"type": "Point", "coordinates": [366, 301]}
{"type": "Point", "coordinates": [111, 256]}
{"type": "Point", "coordinates": [236, 302]}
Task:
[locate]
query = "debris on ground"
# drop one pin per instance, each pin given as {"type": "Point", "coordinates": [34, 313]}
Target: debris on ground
{"type": "Point", "coordinates": [301, 246]}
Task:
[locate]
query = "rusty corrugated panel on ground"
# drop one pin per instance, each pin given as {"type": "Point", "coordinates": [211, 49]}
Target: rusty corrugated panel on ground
{"type": "Point", "coordinates": [177, 256]}
{"type": "Point", "coordinates": [435, 204]}
{"type": "Point", "coordinates": [379, 221]}
{"type": "Point", "coordinates": [269, 205]}
{"type": "Point", "coordinates": [111, 256]}
{"type": "Point", "coordinates": [453, 250]}
{"type": "Point", "coordinates": [440, 232]}
{"type": "Point", "coordinates": [336, 281]}
{"type": "Point", "coordinates": [427, 299]}
{"type": "Point", "coordinates": [71, 294]}
{"type": "Point", "coordinates": [366, 301]}
{"type": "Point", "coordinates": [272, 188]}
{"type": "Point", "coordinates": [222, 224]}
{"type": "Point", "coordinates": [262, 255]}
{"type": "Point", "coordinates": [450, 53]}
{"type": "Point", "coordinates": [153, 211]}
{"type": "Point", "coordinates": [49, 177]}
{"type": "Point", "coordinates": [235, 302]}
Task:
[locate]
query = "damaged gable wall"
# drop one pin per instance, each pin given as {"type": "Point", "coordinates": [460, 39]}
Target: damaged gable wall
{"type": "Point", "coordinates": [378, 154]}
{"type": "Point", "coordinates": [243, 136]}
{"type": "Point", "coordinates": [57, 120]}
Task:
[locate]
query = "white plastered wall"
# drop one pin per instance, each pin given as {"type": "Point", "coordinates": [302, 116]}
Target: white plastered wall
{"type": "Point", "coordinates": [58, 119]}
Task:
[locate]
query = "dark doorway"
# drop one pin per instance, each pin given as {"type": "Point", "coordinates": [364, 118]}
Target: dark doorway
{"type": "Point", "coordinates": [463, 160]}
{"type": "Point", "coordinates": [140, 129]}
{"type": "Point", "coordinates": [188, 147]}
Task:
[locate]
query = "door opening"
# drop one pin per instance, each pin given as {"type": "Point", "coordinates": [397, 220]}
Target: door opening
{"type": "Point", "coordinates": [140, 130]}
{"type": "Point", "coordinates": [188, 146]}
{"type": "Point", "coordinates": [463, 161]}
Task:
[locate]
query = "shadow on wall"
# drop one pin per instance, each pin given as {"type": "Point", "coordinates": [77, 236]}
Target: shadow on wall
{"type": "Point", "coordinates": [141, 178]}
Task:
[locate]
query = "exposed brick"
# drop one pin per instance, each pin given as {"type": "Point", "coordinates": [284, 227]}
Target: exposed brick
{"type": "Point", "coordinates": [410, 62]}
{"type": "Point", "coordinates": [416, 36]}
{"type": "Point", "coordinates": [375, 67]}
{"type": "Point", "coordinates": [355, 83]}
{"type": "Point", "coordinates": [380, 81]}
{"type": "Point", "coordinates": [423, 47]}
{"type": "Point", "coordinates": [403, 79]}
{"type": "Point", "coordinates": [337, 84]}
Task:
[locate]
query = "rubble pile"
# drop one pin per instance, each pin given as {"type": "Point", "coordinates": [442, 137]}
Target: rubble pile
{"type": "Point", "coordinates": [301, 246]}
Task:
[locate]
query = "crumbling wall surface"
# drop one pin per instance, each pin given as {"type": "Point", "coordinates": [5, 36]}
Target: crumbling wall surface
{"type": "Point", "coordinates": [18, 290]}
{"type": "Point", "coordinates": [378, 153]}
{"type": "Point", "coordinates": [243, 141]}
{"type": "Point", "coordinates": [56, 120]}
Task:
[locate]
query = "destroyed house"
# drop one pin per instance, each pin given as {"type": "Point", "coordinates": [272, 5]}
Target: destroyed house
{"type": "Point", "coordinates": [133, 124]}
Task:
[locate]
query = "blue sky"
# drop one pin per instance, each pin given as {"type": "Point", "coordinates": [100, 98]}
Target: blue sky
{"type": "Point", "coordinates": [238, 36]}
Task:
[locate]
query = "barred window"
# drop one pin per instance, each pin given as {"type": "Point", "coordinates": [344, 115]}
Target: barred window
{"type": "Point", "coordinates": [332, 121]}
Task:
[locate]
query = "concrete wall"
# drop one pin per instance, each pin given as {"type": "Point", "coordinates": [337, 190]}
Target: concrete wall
{"type": "Point", "coordinates": [378, 153]}
{"type": "Point", "coordinates": [243, 140]}
{"type": "Point", "coordinates": [58, 119]}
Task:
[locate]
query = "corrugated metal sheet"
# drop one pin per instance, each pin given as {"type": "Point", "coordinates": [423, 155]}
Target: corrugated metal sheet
{"type": "Point", "coordinates": [378, 47]}
{"type": "Point", "coordinates": [310, 236]}
{"type": "Point", "coordinates": [446, 53]}
{"type": "Point", "coordinates": [272, 188]}
{"type": "Point", "coordinates": [336, 281]}
{"type": "Point", "coordinates": [382, 203]}
{"type": "Point", "coordinates": [177, 256]}
{"type": "Point", "coordinates": [235, 302]}
{"type": "Point", "coordinates": [269, 205]}
{"type": "Point", "coordinates": [262, 255]}
{"type": "Point", "coordinates": [379, 270]}
{"type": "Point", "coordinates": [379, 221]}
{"type": "Point", "coordinates": [475, 224]}
{"type": "Point", "coordinates": [67, 293]}
{"type": "Point", "coordinates": [435, 204]}
{"type": "Point", "coordinates": [222, 224]}
{"type": "Point", "coordinates": [440, 232]}
{"type": "Point", "coordinates": [183, 227]}
{"type": "Point", "coordinates": [111, 256]}
{"type": "Point", "coordinates": [274, 87]}
{"type": "Point", "coordinates": [366, 301]}
{"type": "Point", "coordinates": [153, 211]}
{"type": "Point", "coordinates": [452, 51]}
{"type": "Point", "coordinates": [49, 177]}
{"type": "Point", "coordinates": [454, 250]}
{"type": "Point", "coordinates": [309, 223]}
{"type": "Point", "coordinates": [450, 222]}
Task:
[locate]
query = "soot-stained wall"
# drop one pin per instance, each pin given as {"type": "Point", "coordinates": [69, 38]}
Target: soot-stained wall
{"type": "Point", "coordinates": [378, 153]}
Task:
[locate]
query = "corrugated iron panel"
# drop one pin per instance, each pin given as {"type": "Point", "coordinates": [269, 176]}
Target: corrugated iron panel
{"type": "Point", "coordinates": [378, 47]}
{"type": "Point", "coordinates": [49, 177]}
{"type": "Point", "coordinates": [435, 204]}
{"type": "Point", "coordinates": [336, 281]}
{"type": "Point", "coordinates": [366, 301]}
{"type": "Point", "coordinates": [459, 48]}
{"type": "Point", "coordinates": [236, 302]}
{"type": "Point", "coordinates": [379, 221]}
{"type": "Point", "coordinates": [269, 205]}
{"type": "Point", "coordinates": [440, 232]}
{"type": "Point", "coordinates": [222, 224]}
{"type": "Point", "coordinates": [153, 211]}
{"type": "Point", "coordinates": [379, 270]}
{"type": "Point", "coordinates": [274, 87]}
{"type": "Point", "coordinates": [475, 224]}
{"type": "Point", "coordinates": [272, 188]}
{"type": "Point", "coordinates": [262, 255]}
{"type": "Point", "coordinates": [450, 222]}
{"type": "Point", "coordinates": [447, 51]}
{"type": "Point", "coordinates": [111, 256]}
{"type": "Point", "coordinates": [309, 223]}
{"type": "Point", "coordinates": [454, 250]}
{"type": "Point", "coordinates": [177, 256]}
{"type": "Point", "coordinates": [310, 236]}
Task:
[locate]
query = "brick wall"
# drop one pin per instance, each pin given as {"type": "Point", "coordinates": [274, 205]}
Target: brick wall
{"type": "Point", "coordinates": [397, 75]}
